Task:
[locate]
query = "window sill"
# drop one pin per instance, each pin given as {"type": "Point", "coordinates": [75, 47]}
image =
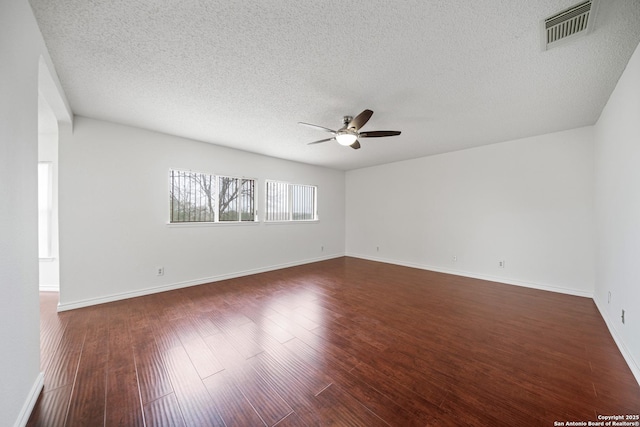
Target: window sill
{"type": "Point", "coordinates": [212, 224]}
{"type": "Point", "coordinates": [236, 223]}
{"type": "Point", "coordinates": [313, 221]}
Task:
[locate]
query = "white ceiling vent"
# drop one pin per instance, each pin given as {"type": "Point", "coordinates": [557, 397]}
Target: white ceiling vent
{"type": "Point", "coordinates": [571, 23]}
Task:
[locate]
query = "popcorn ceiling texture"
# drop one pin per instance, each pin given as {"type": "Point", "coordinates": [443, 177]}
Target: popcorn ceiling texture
{"type": "Point", "coordinates": [449, 74]}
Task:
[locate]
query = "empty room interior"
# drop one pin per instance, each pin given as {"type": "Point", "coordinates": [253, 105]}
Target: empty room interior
{"type": "Point", "coordinates": [320, 213]}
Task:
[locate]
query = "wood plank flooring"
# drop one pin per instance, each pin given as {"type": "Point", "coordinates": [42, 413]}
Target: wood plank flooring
{"type": "Point", "coordinates": [343, 342]}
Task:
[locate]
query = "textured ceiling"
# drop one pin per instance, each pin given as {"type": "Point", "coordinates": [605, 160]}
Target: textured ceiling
{"type": "Point", "coordinates": [449, 74]}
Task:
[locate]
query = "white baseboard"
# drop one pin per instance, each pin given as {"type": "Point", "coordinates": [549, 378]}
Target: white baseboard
{"type": "Point", "coordinates": [185, 284]}
{"type": "Point", "coordinates": [32, 398]}
{"type": "Point", "coordinates": [628, 356]}
{"type": "Point", "coordinates": [568, 291]}
{"type": "Point", "coordinates": [49, 288]}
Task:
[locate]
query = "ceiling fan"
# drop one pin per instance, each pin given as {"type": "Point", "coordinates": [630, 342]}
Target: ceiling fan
{"type": "Point", "coordinates": [349, 133]}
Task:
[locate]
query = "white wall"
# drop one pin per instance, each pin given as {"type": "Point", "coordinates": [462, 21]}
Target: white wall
{"type": "Point", "coordinates": [618, 212]}
{"type": "Point", "coordinates": [113, 213]}
{"type": "Point", "coordinates": [528, 202]}
{"type": "Point", "coordinates": [21, 47]}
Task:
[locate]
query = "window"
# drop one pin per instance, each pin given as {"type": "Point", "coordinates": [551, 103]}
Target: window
{"type": "Point", "coordinates": [290, 202]}
{"type": "Point", "coordinates": [201, 197]}
{"type": "Point", "coordinates": [236, 199]}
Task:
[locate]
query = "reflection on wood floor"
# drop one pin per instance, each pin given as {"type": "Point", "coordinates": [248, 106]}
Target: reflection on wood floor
{"type": "Point", "coordinates": [343, 342]}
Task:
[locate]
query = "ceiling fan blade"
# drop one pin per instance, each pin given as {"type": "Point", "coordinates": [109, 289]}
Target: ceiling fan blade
{"type": "Point", "coordinates": [322, 140]}
{"type": "Point", "coordinates": [360, 120]}
{"type": "Point", "coordinates": [378, 133]}
{"type": "Point", "coordinates": [318, 127]}
{"type": "Point", "coordinates": [355, 145]}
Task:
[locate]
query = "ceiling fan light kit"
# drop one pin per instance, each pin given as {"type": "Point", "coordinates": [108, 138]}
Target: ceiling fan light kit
{"type": "Point", "coordinates": [346, 137]}
{"type": "Point", "coordinates": [349, 133]}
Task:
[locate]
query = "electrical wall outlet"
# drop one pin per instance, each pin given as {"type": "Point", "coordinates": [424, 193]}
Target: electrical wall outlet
{"type": "Point", "coordinates": [159, 271]}
{"type": "Point", "coordinates": [377, 248]}
{"type": "Point", "coordinates": [622, 317]}
{"type": "Point", "coordinates": [609, 297]}
{"type": "Point", "coordinates": [322, 248]}
{"type": "Point", "coordinates": [454, 258]}
{"type": "Point", "coordinates": [501, 264]}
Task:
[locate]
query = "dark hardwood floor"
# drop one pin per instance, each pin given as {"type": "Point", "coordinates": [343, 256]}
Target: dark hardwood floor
{"type": "Point", "coordinates": [343, 342]}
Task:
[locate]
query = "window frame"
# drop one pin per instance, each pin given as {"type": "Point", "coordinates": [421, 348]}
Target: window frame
{"type": "Point", "coordinates": [254, 202]}
{"type": "Point", "coordinates": [216, 200]}
{"type": "Point", "coordinates": [290, 200]}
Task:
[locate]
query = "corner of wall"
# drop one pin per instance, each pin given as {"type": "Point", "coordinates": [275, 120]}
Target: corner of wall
{"type": "Point", "coordinates": [626, 353]}
{"type": "Point", "coordinates": [51, 88]}
{"type": "Point", "coordinates": [30, 402]}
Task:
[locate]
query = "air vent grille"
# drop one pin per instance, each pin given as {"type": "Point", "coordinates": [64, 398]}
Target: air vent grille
{"type": "Point", "coordinates": [570, 22]}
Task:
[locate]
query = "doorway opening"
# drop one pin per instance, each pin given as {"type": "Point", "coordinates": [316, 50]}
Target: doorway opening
{"type": "Point", "coordinates": [54, 118]}
{"type": "Point", "coordinates": [48, 252]}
